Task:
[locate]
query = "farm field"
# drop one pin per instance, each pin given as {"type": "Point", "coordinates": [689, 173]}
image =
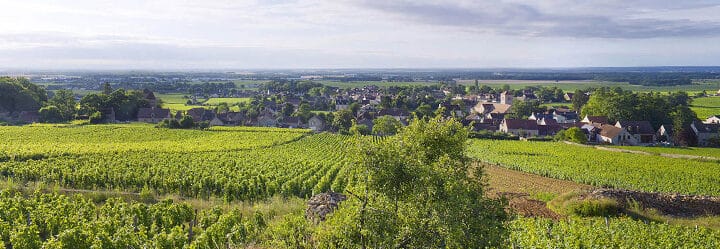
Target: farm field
{"type": "Point", "coordinates": [43, 141]}
{"type": "Point", "coordinates": [264, 162]}
{"type": "Point", "coordinates": [692, 151]}
{"type": "Point", "coordinates": [229, 101]}
{"type": "Point", "coordinates": [571, 85]}
{"type": "Point", "coordinates": [705, 107]}
{"type": "Point", "coordinates": [601, 168]}
{"type": "Point", "coordinates": [260, 178]}
{"type": "Point", "coordinates": [358, 84]}
{"type": "Point", "coordinates": [620, 232]}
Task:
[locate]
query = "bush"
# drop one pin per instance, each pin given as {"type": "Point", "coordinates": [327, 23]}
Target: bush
{"type": "Point", "coordinates": [572, 204]}
{"type": "Point", "coordinates": [96, 118]}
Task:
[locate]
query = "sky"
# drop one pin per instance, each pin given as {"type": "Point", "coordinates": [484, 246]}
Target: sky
{"type": "Point", "coordinates": [287, 34]}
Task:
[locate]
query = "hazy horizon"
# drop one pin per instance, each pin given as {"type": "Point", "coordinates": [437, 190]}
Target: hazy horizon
{"type": "Point", "coordinates": [356, 34]}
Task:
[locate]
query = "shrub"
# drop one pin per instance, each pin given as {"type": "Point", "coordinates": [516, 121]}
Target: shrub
{"type": "Point", "coordinates": [573, 204]}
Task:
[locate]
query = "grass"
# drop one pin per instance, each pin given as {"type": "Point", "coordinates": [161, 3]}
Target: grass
{"type": "Point", "coordinates": [637, 211]}
{"type": "Point", "coordinates": [229, 101]}
{"type": "Point", "coordinates": [358, 84]}
{"type": "Point", "coordinates": [572, 204]}
{"type": "Point", "coordinates": [692, 151]}
{"type": "Point", "coordinates": [502, 180]}
{"type": "Point", "coordinates": [705, 107]}
{"type": "Point", "coordinates": [571, 85]}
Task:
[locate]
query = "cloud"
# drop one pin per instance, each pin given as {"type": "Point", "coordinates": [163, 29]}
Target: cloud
{"type": "Point", "coordinates": [553, 20]}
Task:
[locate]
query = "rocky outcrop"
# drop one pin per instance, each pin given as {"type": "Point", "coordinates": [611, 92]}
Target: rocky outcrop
{"type": "Point", "coordinates": [320, 205]}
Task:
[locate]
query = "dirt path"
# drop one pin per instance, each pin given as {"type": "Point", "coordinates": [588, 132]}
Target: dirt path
{"type": "Point", "coordinates": [522, 190]}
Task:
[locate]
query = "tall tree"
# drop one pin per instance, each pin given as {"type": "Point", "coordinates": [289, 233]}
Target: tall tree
{"type": "Point", "coordinates": [579, 99]}
{"type": "Point", "coordinates": [65, 101]}
{"type": "Point", "coordinates": [342, 120]}
{"type": "Point", "coordinates": [51, 114]}
{"type": "Point", "coordinates": [386, 126]}
{"type": "Point", "coordinates": [523, 109]}
{"type": "Point", "coordinates": [18, 94]}
{"type": "Point", "coordinates": [416, 190]}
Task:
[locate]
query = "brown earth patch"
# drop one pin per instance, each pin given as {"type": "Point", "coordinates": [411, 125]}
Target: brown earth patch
{"type": "Point", "coordinates": [519, 189]}
{"type": "Point", "coordinates": [686, 206]}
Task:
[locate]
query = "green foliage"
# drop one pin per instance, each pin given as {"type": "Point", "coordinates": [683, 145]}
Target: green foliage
{"type": "Point", "coordinates": [169, 123]}
{"type": "Point", "coordinates": [573, 134]}
{"type": "Point", "coordinates": [618, 104]}
{"type": "Point", "coordinates": [607, 233]}
{"type": "Point", "coordinates": [96, 117]}
{"type": "Point", "coordinates": [51, 114]}
{"type": "Point", "coordinates": [190, 163]}
{"type": "Point", "coordinates": [359, 129]}
{"type": "Point", "coordinates": [124, 103]}
{"type": "Point", "coordinates": [18, 94]}
{"type": "Point", "coordinates": [292, 231]}
{"type": "Point", "coordinates": [579, 99]}
{"type": "Point", "coordinates": [601, 168]}
{"type": "Point", "coordinates": [523, 109]}
{"type": "Point", "coordinates": [343, 120]}
{"type": "Point", "coordinates": [187, 122]}
{"type": "Point", "coordinates": [59, 221]}
{"type": "Point", "coordinates": [415, 191]}
{"type": "Point", "coordinates": [386, 126]}
{"type": "Point", "coordinates": [65, 101]}
{"type": "Point", "coordinates": [570, 204]}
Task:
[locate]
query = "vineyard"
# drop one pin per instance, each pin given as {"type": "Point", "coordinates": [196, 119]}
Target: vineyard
{"type": "Point", "coordinates": [692, 151]}
{"type": "Point", "coordinates": [43, 141]}
{"type": "Point", "coordinates": [607, 233]}
{"type": "Point", "coordinates": [254, 165]}
{"type": "Point", "coordinates": [602, 168]}
{"type": "Point", "coordinates": [59, 221]}
{"type": "Point", "coordinates": [232, 163]}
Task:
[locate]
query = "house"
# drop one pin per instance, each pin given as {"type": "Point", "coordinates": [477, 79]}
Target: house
{"type": "Point", "coordinates": [568, 96]}
{"type": "Point", "coordinates": [562, 116]}
{"type": "Point", "coordinates": [316, 124]}
{"type": "Point", "coordinates": [454, 110]}
{"type": "Point", "coordinates": [714, 119]}
{"type": "Point", "coordinates": [601, 120]}
{"type": "Point", "coordinates": [216, 122]}
{"type": "Point", "coordinates": [520, 127]}
{"type": "Point", "coordinates": [232, 118]}
{"type": "Point", "coordinates": [665, 133]}
{"type": "Point", "coordinates": [610, 134]}
{"type": "Point", "coordinates": [29, 116]}
{"type": "Point", "coordinates": [108, 115]}
{"type": "Point", "coordinates": [591, 131]}
{"type": "Point", "coordinates": [548, 127]}
{"type": "Point", "coordinates": [641, 130]}
{"type": "Point", "coordinates": [539, 116]}
{"type": "Point", "coordinates": [150, 97]}
{"type": "Point", "coordinates": [705, 132]}
{"type": "Point", "coordinates": [474, 117]}
{"type": "Point", "coordinates": [486, 108]}
{"type": "Point", "coordinates": [341, 104]}
{"type": "Point", "coordinates": [295, 101]}
{"type": "Point", "coordinates": [152, 115]}
{"type": "Point", "coordinates": [201, 114]}
{"type": "Point", "coordinates": [506, 98]}
{"type": "Point", "coordinates": [267, 121]}
{"type": "Point", "coordinates": [397, 113]}
{"type": "Point", "coordinates": [290, 122]}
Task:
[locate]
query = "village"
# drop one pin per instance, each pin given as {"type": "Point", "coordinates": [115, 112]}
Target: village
{"type": "Point", "coordinates": [484, 111]}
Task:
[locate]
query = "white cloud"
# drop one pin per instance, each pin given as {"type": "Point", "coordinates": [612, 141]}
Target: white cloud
{"type": "Point", "coordinates": [351, 33]}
